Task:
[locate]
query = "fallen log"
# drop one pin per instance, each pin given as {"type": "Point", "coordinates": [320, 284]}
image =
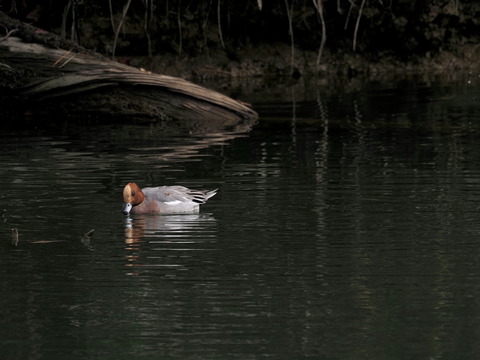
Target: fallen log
{"type": "Point", "coordinates": [82, 81]}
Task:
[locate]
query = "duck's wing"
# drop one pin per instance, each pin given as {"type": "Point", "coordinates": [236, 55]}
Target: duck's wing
{"type": "Point", "coordinates": [177, 193]}
{"type": "Point", "coordinates": [201, 196]}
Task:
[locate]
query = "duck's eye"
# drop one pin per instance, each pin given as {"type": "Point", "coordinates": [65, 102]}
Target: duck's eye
{"type": "Point", "coordinates": [133, 193]}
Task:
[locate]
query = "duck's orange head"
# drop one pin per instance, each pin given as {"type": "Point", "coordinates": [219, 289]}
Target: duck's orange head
{"type": "Point", "coordinates": [132, 194]}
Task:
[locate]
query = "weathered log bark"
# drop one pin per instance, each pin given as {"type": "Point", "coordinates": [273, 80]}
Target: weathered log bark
{"type": "Point", "coordinates": [87, 82]}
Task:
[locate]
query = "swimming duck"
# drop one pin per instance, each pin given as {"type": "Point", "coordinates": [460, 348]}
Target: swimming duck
{"type": "Point", "coordinates": [163, 199]}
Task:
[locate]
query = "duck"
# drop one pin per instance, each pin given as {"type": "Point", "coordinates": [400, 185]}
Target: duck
{"type": "Point", "coordinates": [175, 199]}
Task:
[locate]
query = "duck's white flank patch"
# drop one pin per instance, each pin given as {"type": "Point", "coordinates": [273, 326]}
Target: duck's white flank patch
{"type": "Point", "coordinates": [174, 202]}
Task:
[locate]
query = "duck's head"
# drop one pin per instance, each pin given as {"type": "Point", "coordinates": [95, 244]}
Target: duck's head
{"type": "Point", "coordinates": [132, 196]}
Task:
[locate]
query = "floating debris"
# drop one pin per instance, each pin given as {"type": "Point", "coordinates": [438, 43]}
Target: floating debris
{"type": "Point", "coordinates": [85, 239]}
{"type": "Point", "coordinates": [88, 234]}
{"type": "Point", "coordinates": [47, 241]}
{"type": "Point", "coordinates": [14, 237]}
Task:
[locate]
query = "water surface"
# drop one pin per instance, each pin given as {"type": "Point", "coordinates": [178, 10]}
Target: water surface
{"type": "Point", "coordinates": [346, 226]}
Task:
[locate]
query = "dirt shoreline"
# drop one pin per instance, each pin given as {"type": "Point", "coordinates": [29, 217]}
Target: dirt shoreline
{"type": "Point", "coordinates": [272, 61]}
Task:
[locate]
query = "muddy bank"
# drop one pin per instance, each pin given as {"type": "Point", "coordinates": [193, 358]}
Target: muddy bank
{"type": "Point", "coordinates": [272, 61]}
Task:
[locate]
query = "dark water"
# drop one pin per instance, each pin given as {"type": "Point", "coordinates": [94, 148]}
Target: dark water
{"type": "Point", "coordinates": [347, 226]}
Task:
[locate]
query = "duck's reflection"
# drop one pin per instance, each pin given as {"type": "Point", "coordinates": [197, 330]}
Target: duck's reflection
{"type": "Point", "coordinates": [164, 241]}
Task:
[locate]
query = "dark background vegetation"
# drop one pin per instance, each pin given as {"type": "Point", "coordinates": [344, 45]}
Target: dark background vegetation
{"type": "Point", "coordinates": [254, 37]}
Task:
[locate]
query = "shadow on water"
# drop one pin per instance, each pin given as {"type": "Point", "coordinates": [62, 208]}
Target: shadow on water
{"type": "Point", "coordinates": [345, 226]}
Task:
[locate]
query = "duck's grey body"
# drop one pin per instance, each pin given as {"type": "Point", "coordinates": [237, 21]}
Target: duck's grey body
{"type": "Point", "coordinates": [174, 199]}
